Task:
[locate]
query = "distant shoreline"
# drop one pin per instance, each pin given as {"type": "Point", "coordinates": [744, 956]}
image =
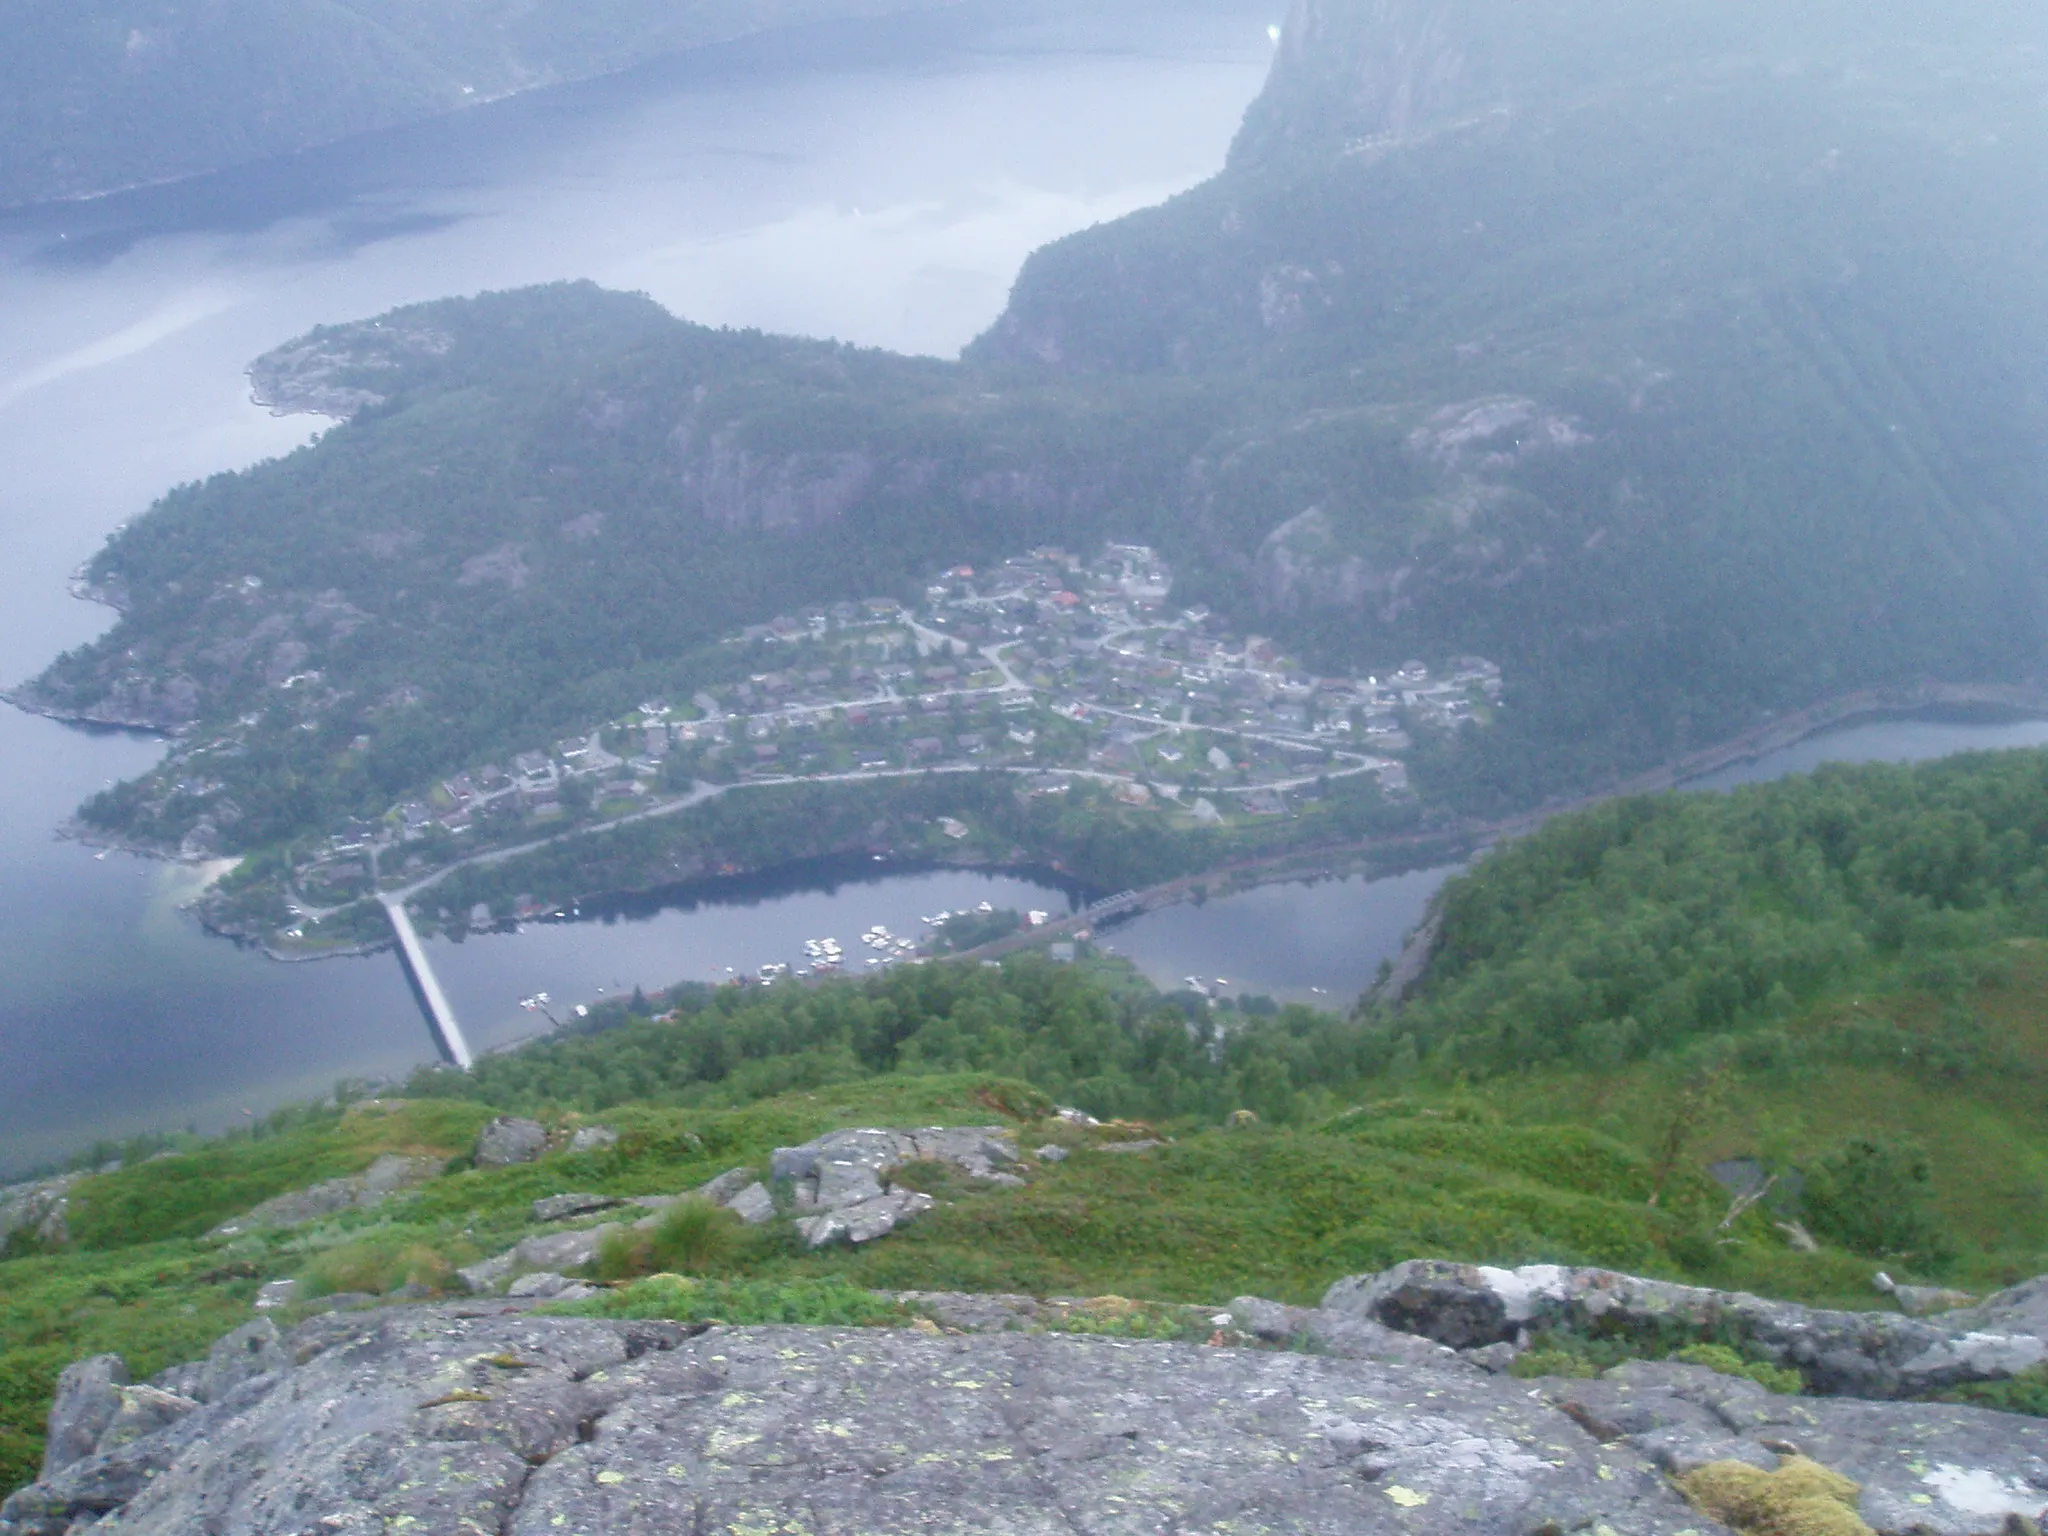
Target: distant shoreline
{"type": "Point", "coordinates": [1378, 857]}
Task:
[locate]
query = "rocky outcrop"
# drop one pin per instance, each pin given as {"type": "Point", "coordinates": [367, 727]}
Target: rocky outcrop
{"type": "Point", "coordinates": [1862, 1354]}
{"type": "Point", "coordinates": [551, 1252]}
{"type": "Point", "coordinates": [38, 1209]}
{"type": "Point", "coordinates": [1934, 1471]}
{"type": "Point", "coordinates": [359, 1191]}
{"type": "Point", "coordinates": [1301, 564]}
{"type": "Point", "coordinates": [563, 1207]}
{"type": "Point", "coordinates": [458, 1418]}
{"type": "Point", "coordinates": [839, 1183]}
{"type": "Point", "coordinates": [738, 488]}
{"type": "Point", "coordinates": [508, 1140]}
{"type": "Point", "coordinates": [330, 372]}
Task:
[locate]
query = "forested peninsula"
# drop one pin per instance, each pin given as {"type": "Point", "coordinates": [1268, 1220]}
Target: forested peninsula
{"type": "Point", "coordinates": [1728, 418]}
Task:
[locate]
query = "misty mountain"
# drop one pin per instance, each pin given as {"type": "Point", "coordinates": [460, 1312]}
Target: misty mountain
{"type": "Point", "coordinates": [1686, 361]}
{"type": "Point", "coordinates": [1690, 352]}
{"type": "Point", "coordinates": [101, 94]}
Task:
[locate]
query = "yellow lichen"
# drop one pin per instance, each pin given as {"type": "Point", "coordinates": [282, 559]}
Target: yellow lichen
{"type": "Point", "coordinates": [1800, 1498]}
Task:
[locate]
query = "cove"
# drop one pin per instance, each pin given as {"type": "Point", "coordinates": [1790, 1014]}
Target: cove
{"type": "Point", "coordinates": [878, 182]}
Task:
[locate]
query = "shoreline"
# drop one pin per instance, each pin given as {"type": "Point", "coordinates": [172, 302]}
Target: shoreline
{"type": "Point", "coordinates": [1374, 857]}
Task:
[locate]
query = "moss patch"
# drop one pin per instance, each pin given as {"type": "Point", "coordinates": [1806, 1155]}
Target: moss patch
{"type": "Point", "coordinates": [1800, 1498]}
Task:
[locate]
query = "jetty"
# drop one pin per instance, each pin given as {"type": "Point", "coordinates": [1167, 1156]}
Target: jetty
{"type": "Point", "coordinates": [447, 1029]}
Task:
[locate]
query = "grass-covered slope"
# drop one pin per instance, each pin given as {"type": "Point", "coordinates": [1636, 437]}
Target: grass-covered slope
{"type": "Point", "coordinates": [1837, 982]}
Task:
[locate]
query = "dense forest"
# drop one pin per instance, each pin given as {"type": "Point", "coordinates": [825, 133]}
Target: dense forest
{"type": "Point", "coordinates": [1644, 925]}
{"type": "Point", "coordinates": [1683, 373]}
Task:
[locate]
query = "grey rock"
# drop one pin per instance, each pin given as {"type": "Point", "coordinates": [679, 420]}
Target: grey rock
{"type": "Point", "coordinates": [87, 1398]}
{"type": "Point", "coordinates": [508, 1140]}
{"type": "Point", "coordinates": [445, 1420]}
{"type": "Point", "coordinates": [1496, 1358]}
{"type": "Point", "coordinates": [273, 1294]}
{"type": "Point", "coordinates": [1052, 1152]}
{"type": "Point", "coordinates": [975, 1312]}
{"type": "Point", "coordinates": [144, 1410]}
{"type": "Point", "coordinates": [848, 1168]}
{"type": "Point", "coordinates": [1864, 1354]}
{"type": "Point", "coordinates": [40, 1208]}
{"type": "Point", "coordinates": [1130, 1146]}
{"type": "Point", "coordinates": [719, 1191]}
{"type": "Point", "coordinates": [442, 1420]}
{"type": "Point", "coordinates": [382, 1179]}
{"type": "Point", "coordinates": [865, 1221]}
{"type": "Point", "coordinates": [1922, 1300]}
{"type": "Point", "coordinates": [1932, 1469]}
{"type": "Point", "coordinates": [1268, 1320]}
{"type": "Point", "coordinates": [254, 1350]}
{"type": "Point", "coordinates": [753, 1205]}
{"type": "Point", "coordinates": [542, 1283]}
{"type": "Point", "coordinates": [2022, 1308]}
{"type": "Point", "coordinates": [486, 1275]}
{"type": "Point", "coordinates": [562, 1250]}
{"type": "Point", "coordinates": [562, 1207]}
{"type": "Point", "coordinates": [594, 1138]}
{"type": "Point", "coordinates": [547, 1252]}
{"type": "Point", "coordinates": [344, 1301]}
{"type": "Point", "coordinates": [1928, 1300]}
{"type": "Point", "coordinates": [1360, 1338]}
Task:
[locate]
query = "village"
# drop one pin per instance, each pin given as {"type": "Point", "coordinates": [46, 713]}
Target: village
{"type": "Point", "coordinates": [1048, 666]}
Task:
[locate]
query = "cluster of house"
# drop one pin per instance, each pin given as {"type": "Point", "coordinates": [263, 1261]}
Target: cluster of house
{"type": "Point", "coordinates": [1049, 665]}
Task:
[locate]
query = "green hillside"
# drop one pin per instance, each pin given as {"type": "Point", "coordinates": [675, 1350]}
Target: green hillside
{"type": "Point", "coordinates": [101, 94]}
{"type": "Point", "coordinates": [1558, 1090]}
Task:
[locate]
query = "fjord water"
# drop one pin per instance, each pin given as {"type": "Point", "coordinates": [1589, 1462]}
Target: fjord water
{"type": "Point", "coordinates": [876, 183]}
{"type": "Point", "coordinates": [1321, 942]}
{"type": "Point", "coordinates": [880, 183]}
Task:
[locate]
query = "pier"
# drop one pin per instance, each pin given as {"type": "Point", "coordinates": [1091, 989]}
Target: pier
{"type": "Point", "coordinates": [447, 1030]}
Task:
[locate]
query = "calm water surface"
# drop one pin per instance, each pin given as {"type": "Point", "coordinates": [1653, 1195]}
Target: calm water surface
{"type": "Point", "coordinates": [1322, 943]}
{"type": "Point", "coordinates": [880, 184]}
{"type": "Point", "coordinates": [707, 937]}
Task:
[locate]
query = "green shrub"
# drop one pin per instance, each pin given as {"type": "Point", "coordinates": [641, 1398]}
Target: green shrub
{"type": "Point", "coordinates": [1552, 1362]}
{"type": "Point", "coordinates": [2025, 1393]}
{"type": "Point", "coordinates": [1719, 1357]}
{"type": "Point", "coordinates": [696, 1237]}
{"type": "Point", "coordinates": [378, 1266]}
{"type": "Point", "coordinates": [625, 1255]}
{"type": "Point", "coordinates": [1872, 1196]}
{"type": "Point", "coordinates": [693, 1236]}
{"type": "Point", "coordinates": [828, 1302]}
